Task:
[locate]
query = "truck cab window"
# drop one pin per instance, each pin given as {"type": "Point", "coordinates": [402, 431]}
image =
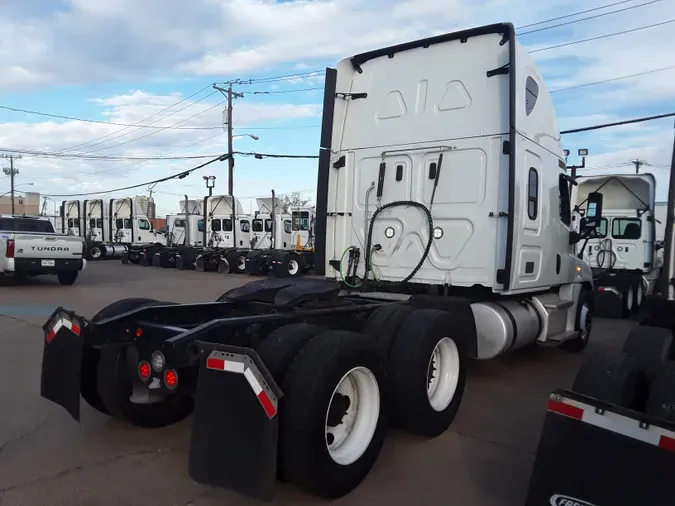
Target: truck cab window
{"type": "Point", "coordinates": [92, 222]}
{"type": "Point", "coordinates": [143, 224]}
{"type": "Point", "coordinates": [227, 224]}
{"type": "Point", "coordinates": [287, 226]}
{"type": "Point", "coordinates": [119, 223]}
{"type": "Point", "coordinates": [564, 200]}
{"type": "Point", "coordinates": [532, 194]}
{"type": "Point", "coordinates": [257, 225]}
{"type": "Point", "coordinates": [268, 225]}
{"type": "Point", "coordinates": [26, 225]}
{"type": "Point", "coordinates": [601, 230]}
{"type": "Point", "coordinates": [127, 223]}
{"type": "Point", "coordinates": [71, 223]}
{"type": "Point", "coordinates": [245, 226]}
{"type": "Point", "coordinates": [626, 228]}
{"type": "Point", "coordinates": [99, 222]}
{"type": "Point", "coordinates": [179, 224]}
{"type": "Point", "coordinates": [200, 225]}
{"type": "Point", "coordinates": [216, 226]}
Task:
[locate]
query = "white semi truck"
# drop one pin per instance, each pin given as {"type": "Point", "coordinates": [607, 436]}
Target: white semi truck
{"type": "Point", "coordinates": [444, 233]}
{"type": "Point", "coordinates": [109, 228]}
{"type": "Point", "coordinates": [623, 250]}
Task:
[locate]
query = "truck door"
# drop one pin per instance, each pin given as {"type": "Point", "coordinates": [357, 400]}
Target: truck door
{"type": "Point", "coordinates": [630, 240]}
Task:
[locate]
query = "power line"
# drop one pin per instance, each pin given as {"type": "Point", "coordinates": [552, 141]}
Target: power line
{"type": "Point", "coordinates": [260, 156]}
{"type": "Point", "coordinates": [101, 122]}
{"type": "Point", "coordinates": [588, 18]}
{"type": "Point", "coordinates": [605, 36]}
{"type": "Point", "coordinates": [180, 175]}
{"type": "Point", "coordinates": [567, 88]}
{"type": "Point", "coordinates": [137, 123]}
{"type": "Point", "coordinates": [574, 14]}
{"type": "Point", "coordinates": [617, 123]}
{"type": "Point", "coordinates": [284, 91]}
{"type": "Point", "coordinates": [110, 158]}
{"type": "Point", "coordinates": [156, 131]}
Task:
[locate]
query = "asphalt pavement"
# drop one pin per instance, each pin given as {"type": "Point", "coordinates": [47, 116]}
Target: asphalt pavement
{"type": "Point", "coordinates": [46, 458]}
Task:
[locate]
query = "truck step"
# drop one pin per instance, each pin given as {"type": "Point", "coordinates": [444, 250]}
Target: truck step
{"type": "Point", "coordinates": [558, 304]}
{"type": "Point", "coordinates": [557, 339]}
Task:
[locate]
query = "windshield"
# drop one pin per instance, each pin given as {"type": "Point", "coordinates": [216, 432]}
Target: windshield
{"type": "Point", "coordinates": [26, 225]}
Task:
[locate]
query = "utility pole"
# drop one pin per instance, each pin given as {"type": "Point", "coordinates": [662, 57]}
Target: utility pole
{"type": "Point", "coordinates": [11, 172]}
{"type": "Point", "coordinates": [230, 94]}
{"type": "Point", "coordinates": [210, 183]}
{"type": "Point", "coordinates": [638, 164]}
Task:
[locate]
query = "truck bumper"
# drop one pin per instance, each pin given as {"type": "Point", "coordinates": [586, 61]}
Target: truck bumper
{"type": "Point", "coordinates": [34, 266]}
{"type": "Point", "coordinates": [591, 455]}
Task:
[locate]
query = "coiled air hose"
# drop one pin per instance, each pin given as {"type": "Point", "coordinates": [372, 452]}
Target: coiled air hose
{"type": "Point", "coordinates": [606, 246]}
{"type": "Point", "coordinates": [368, 251]}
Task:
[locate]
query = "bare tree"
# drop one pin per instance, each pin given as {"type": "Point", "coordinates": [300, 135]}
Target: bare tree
{"type": "Point", "coordinates": [293, 200]}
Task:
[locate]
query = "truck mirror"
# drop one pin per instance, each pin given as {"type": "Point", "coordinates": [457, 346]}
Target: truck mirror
{"type": "Point", "coordinates": [593, 213]}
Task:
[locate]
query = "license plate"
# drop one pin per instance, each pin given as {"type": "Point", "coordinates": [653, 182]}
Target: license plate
{"type": "Point", "coordinates": [48, 263]}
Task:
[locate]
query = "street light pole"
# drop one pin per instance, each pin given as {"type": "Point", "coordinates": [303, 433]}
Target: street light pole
{"type": "Point", "coordinates": [583, 153]}
{"type": "Point", "coordinates": [210, 183]}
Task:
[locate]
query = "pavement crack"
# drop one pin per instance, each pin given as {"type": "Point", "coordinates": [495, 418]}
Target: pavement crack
{"type": "Point", "coordinates": [198, 497]}
{"type": "Point", "coordinates": [496, 443]}
{"type": "Point", "coordinates": [20, 320]}
{"type": "Point", "coordinates": [103, 462]}
{"type": "Point", "coordinates": [24, 435]}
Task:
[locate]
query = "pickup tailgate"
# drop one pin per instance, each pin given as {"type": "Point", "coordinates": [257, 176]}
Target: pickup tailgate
{"type": "Point", "coordinates": [48, 246]}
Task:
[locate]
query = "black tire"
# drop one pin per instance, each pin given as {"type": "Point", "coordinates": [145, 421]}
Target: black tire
{"type": "Point", "coordinates": [651, 347]}
{"type": "Point", "coordinates": [580, 342]}
{"type": "Point", "coordinates": [90, 359]}
{"type": "Point", "coordinates": [638, 287]}
{"type": "Point", "coordinates": [409, 367]}
{"type": "Point", "coordinates": [309, 385]}
{"type": "Point", "coordinates": [280, 347]}
{"type": "Point", "coordinates": [628, 292]}
{"type": "Point", "coordinates": [384, 322]}
{"type": "Point", "coordinates": [290, 267]}
{"type": "Point", "coordinates": [661, 401]}
{"type": "Point", "coordinates": [115, 387]}
{"type": "Point", "coordinates": [67, 278]}
{"type": "Point", "coordinates": [612, 377]}
{"type": "Point", "coordinates": [277, 351]}
{"type": "Point", "coordinates": [95, 252]}
{"type": "Point", "coordinates": [237, 261]}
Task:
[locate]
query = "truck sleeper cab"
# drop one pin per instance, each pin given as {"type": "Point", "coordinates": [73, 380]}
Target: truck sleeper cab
{"type": "Point", "coordinates": [622, 251]}
{"type": "Point", "coordinates": [399, 228]}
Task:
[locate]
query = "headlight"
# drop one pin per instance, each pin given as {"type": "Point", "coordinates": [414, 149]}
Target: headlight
{"type": "Point", "coordinates": [389, 232]}
{"type": "Point", "coordinates": [438, 233]}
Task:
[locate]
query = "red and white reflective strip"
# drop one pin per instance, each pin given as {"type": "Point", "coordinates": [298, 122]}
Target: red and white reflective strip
{"type": "Point", "coordinates": [72, 325]}
{"type": "Point", "coordinates": [612, 422]}
{"type": "Point", "coordinates": [241, 364]}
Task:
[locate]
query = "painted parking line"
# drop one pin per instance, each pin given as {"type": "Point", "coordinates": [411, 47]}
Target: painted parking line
{"type": "Point", "coordinates": [18, 310]}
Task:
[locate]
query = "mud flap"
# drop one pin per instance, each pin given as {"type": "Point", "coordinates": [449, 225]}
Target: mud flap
{"type": "Point", "coordinates": [594, 455]}
{"type": "Point", "coordinates": [62, 360]}
{"type": "Point", "coordinates": [235, 424]}
{"type": "Point", "coordinates": [125, 257]}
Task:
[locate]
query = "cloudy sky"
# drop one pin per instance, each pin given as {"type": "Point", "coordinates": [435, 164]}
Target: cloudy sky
{"type": "Point", "coordinates": [140, 74]}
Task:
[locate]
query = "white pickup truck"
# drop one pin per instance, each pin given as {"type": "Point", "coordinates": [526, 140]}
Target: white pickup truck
{"type": "Point", "coordinates": [30, 247]}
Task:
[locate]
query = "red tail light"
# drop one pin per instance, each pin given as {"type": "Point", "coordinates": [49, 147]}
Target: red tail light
{"type": "Point", "coordinates": [171, 379]}
{"type": "Point", "coordinates": [10, 248]}
{"type": "Point", "coordinates": [144, 370]}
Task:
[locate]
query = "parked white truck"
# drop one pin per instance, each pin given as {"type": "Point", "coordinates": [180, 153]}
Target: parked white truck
{"type": "Point", "coordinates": [109, 228]}
{"type": "Point", "coordinates": [623, 251]}
{"type": "Point", "coordinates": [30, 247]}
{"type": "Point", "coordinates": [442, 197]}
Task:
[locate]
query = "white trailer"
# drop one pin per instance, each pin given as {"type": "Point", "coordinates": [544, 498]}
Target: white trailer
{"type": "Point", "coordinates": [442, 176]}
{"type": "Point", "coordinates": [623, 250]}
